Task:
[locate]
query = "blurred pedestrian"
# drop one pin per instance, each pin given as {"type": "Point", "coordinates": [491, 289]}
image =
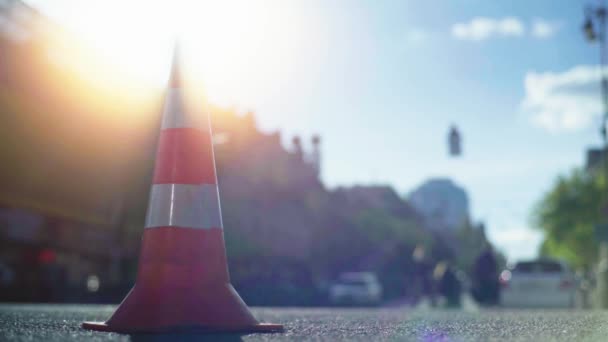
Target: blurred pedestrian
{"type": "Point", "coordinates": [486, 287]}
{"type": "Point", "coordinates": [422, 284]}
{"type": "Point", "coordinates": [448, 284]}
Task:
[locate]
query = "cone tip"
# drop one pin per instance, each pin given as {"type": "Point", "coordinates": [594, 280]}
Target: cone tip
{"type": "Point", "coordinates": [175, 79]}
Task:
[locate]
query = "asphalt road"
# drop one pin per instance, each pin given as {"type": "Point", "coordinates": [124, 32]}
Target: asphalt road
{"type": "Point", "coordinates": [62, 323]}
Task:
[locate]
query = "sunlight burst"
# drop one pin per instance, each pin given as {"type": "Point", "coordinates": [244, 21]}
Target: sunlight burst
{"type": "Point", "coordinates": [223, 43]}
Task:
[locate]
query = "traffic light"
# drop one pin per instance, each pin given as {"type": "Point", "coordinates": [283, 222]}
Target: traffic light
{"type": "Point", "coordinates": [454, 142]}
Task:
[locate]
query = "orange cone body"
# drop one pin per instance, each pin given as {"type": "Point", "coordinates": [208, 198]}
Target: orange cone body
{"type": "Point", "coordinates": [182, 281]}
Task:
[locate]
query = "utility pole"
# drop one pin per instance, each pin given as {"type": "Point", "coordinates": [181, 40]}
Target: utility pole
{"type": "Point", "coordinates": [594, 28]}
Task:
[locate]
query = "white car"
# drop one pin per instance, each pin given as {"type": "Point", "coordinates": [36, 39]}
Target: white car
{"type": "Point", "coordinates": [356, 288]}
{"type": "Point", "coordinates": [539, 283]}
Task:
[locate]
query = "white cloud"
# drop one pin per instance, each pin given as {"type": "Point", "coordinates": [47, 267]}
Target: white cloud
{"type": "Point", "coordinates": [566, 101]}
{"type": "Point", "coordinates": [542, 28]}
{"type": "Point", "coordinates": [482, 28]}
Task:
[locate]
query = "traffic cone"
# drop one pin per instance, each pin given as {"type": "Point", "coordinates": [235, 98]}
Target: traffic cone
{"type": "Point", "coordinates": [183, 282]}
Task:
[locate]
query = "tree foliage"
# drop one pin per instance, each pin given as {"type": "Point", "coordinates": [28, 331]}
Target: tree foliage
{"type": "Point", "coordinates": [568, 213]}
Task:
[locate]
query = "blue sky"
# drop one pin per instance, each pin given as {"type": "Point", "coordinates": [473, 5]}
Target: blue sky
{"type": "Point", "coordinates": [381, 81]}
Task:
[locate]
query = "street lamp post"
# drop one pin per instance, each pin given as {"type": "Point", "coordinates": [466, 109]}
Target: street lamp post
{"type": "Point", "coordinates": [594, 29]}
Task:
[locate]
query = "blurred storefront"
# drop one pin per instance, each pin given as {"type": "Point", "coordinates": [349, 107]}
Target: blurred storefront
{"type": "Point", "coordinates": [52, 259]}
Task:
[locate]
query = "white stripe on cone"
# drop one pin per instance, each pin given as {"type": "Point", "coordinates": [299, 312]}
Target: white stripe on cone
{"type": "Point", "coordinates": [175, 116]}
{"type": "Point", "coordinates": [184, 205]}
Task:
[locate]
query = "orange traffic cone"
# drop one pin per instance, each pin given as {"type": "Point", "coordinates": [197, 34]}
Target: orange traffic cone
{"type": "Point", "coordinates": [183, 281]}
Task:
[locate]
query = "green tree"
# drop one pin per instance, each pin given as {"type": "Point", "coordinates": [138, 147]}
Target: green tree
{"type": "Point", "coordinates": [568, 213]}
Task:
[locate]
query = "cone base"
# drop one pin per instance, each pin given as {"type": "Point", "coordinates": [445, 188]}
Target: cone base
{"type": "Point", "coordinates": [256, 328]}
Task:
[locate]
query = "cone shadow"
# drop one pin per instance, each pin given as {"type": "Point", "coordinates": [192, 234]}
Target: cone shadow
{"type": "Point", "coordinates": [185, 337]}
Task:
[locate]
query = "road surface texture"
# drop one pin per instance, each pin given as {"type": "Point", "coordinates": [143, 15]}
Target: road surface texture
{"type": "Point", "coordinates": [62, 323]}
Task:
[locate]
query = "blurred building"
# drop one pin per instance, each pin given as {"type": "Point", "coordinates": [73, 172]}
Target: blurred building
{"type": "Point", "coordinates": [54, 215]}
{"type": "Point", "coordinates": [443, 204]}
{"type": "Point", "coordinates": [264, 185]}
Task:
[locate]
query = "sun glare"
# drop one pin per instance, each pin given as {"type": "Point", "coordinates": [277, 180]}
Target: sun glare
{"type": "Point", "coordinates": [223, 43]}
